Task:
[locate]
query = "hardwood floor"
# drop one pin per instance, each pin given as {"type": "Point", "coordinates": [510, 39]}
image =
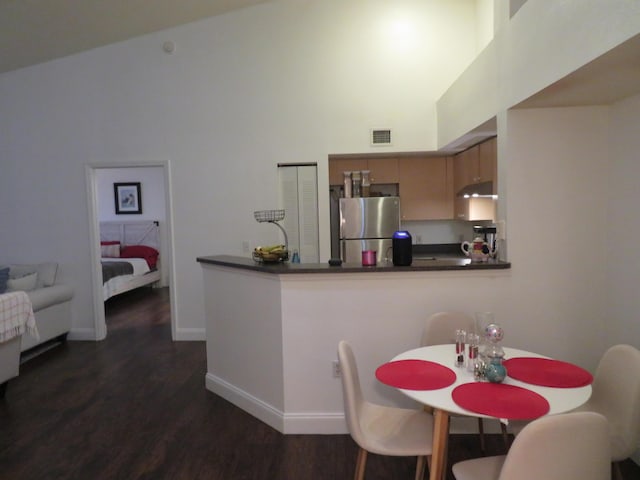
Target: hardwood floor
{"type": "Point", "coordinates": [135, 407]}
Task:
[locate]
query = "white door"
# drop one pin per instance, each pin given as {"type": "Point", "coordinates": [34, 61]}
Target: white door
{"type": "Point", "coordinates": [298, 196]}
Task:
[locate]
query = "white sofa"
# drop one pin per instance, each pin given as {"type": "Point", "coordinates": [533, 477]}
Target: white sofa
{"type": "Point", "coordinates": [51, 301]}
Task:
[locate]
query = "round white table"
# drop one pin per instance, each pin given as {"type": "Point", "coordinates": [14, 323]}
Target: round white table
{"type": "Point", "coordinates": [560, 399]}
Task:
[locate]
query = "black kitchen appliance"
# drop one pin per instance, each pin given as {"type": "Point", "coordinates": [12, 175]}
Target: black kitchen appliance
{"type": "Point", "coordinates": [402, 253]}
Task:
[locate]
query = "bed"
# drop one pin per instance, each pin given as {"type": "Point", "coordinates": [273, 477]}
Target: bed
{"type": "Point", "coordinates": [130, 256]}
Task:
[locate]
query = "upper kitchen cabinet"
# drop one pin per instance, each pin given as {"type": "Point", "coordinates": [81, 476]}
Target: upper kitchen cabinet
{"type": "Point", "coordinates": [475, 165]}
{"type": "Point", "coordinates": [339, 165]}
{"type": "Point", "coordinates": [426, 188]}
{"type": "Point", "coordinates": [383, 170]}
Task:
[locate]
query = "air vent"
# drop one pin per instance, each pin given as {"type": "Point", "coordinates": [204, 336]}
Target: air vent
{"type": "Point", "coordinates": [381, 136]}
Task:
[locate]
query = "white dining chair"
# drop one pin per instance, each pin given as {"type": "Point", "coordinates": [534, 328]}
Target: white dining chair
{"type": "Point", "coordinates": [379, 429]}
{"type": "Point", "coordinates": [440, 329]}
{"type": "Point", "coordinates": [616, 395]}
{"type": "Point", "coordinates": [557, 447]}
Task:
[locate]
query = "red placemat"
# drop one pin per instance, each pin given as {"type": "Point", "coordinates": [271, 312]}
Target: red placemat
{"type": "Point", "coordinates": [547, 372]}
{"type": "Point", "coordinates": [500, 400]}
{"type": "Point", "coordinates": [415, 375]}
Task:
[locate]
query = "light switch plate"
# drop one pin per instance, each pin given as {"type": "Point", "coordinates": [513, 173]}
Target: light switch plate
{"type": "Point", "coordinates": [501, 230]}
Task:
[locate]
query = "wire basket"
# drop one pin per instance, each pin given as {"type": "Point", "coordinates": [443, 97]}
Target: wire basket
{"type": "Point", "coordinates": [269, 215]}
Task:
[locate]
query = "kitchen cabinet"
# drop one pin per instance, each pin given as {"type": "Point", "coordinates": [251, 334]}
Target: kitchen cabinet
{"type": "Point", "coordinates": [475, 165]}
{"type": "Point", "coordinates": [383, 169]}
{"type": "Point", "coordinates": [426, 188]}
{"type": "Point", "coordinates": [339, 165]}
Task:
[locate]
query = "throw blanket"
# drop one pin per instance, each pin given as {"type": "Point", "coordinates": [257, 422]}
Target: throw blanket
{"type": "Point", "coordinates": [115, 269]}
{"type": "Point", "coordinates": [16, 316]}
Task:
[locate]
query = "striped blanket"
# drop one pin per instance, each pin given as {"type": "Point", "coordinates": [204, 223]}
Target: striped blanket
{"type": "Point", "coordinates": [16, 316]}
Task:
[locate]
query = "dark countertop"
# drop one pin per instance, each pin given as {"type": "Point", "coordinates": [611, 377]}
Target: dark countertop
{"type": "Point", "coordinates": [418, 265]}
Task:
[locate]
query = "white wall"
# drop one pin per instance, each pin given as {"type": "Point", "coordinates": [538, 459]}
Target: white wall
{"type": "Point", "coordinates": [622, 311]}
{"type": "Point", "coordinates": [514, 65]}
{"type": "Point", "coordinates": [278, 82]}
{"type": "Point", "coordinates": [152, 192]}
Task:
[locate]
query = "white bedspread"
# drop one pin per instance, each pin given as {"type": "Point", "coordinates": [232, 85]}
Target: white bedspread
{"type": "Point", "coordinates": [16, 316]}
{"type": "Point", "coordinates": [140, 265]}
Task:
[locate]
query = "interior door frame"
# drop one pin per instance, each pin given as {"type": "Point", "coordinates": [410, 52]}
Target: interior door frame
{"type": "Point", "coordinates": [94, 239]}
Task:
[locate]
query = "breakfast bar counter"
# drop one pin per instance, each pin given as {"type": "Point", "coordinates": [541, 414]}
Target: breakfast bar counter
{"type": "Point", "coordinates": [272, 330]}
{"type": "Point", "coordinates": [419, 264]}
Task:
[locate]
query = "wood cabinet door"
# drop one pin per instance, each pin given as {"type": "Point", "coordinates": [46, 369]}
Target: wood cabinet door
{"type": "Point", "coordinates": [339, 165]}
{"type": "Point", "coordinates": [426, 188]}
{"type": "Point", "coordinates": [466, 168]}
{"type": "Point", "coordinates": [383, 170]}
{"type": "Point", "coordinates": [487, 162]}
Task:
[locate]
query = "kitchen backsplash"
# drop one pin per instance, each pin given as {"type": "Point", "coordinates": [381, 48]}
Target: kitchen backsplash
{"type": "Point", "coordinates": [440, 231]}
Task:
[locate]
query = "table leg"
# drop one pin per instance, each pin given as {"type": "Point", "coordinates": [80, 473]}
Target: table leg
{"type": "Point", "coordinates": [440, 440]}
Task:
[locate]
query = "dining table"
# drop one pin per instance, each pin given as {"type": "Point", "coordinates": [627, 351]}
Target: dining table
{"type": "Point", "coordinates": [535, 386]}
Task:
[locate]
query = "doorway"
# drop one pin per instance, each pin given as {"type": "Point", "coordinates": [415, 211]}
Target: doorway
{"type": "Point", "coordinates": [155, 202]}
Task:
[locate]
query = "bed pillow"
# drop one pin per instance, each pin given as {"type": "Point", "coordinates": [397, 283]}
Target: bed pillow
{"type": "Point", "coordinates": [150, 254]}
{"type": "Point", "coordinates": [4, 278]}
{"type": "Point", "coordinates": [25, 284]}
{"type": "Point", "coordinates": [110, 249]}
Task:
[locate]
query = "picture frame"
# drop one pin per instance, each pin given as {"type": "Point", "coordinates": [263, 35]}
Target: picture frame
{"type": "Point", "coordinates": [128, 198]}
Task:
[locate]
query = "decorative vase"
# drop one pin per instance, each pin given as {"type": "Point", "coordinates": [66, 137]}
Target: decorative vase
{"type": "Point", "coordinates": [495, 371]}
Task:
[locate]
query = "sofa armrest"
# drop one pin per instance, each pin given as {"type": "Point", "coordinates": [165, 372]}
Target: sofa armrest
{"type": "Point", "coordinates": [47, 296]}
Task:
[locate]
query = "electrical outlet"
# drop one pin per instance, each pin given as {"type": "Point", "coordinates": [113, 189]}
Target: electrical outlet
{"type": "Point", "coordinates": [419, 239]}
{"type": "Point", "coordinates": [246, 246]}
{"type": "Point", "coordinates": [335, 368]}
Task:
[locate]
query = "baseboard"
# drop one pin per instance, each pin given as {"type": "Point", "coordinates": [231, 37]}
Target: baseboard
{"type": "Point", "coordinates": [82, 334]}
{"type": "Point", "coordinates": [190, 334]}
{"type": "Point", "coordinates": [291, 423]}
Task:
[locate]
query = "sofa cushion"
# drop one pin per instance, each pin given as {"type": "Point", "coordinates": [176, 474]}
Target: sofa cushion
{"type": "Point", "coordinates": [25, 283]}
{"type": "Point", "coordinates": [47, 296]}
{"type": "Point", "coordinates": [46, 271]}
{"type": "Point", "coordinates": [4, 277]}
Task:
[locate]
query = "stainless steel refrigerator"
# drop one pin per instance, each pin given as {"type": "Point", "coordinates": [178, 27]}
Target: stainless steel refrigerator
{"type": "Point", "coordinates": [368, 224]}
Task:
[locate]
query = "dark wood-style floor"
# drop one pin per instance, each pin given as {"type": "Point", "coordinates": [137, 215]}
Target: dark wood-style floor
{"type": "Point", "coordinates": [135, 407]}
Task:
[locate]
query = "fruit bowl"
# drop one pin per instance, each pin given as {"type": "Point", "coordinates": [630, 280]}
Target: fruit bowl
{"type": "Point", "coordinates": [271, 254]}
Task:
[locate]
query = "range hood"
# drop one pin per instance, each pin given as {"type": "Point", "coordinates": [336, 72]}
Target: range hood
{"type": "Point", "coordinates": [483, 189]}
{"type": "Point", "coordinates": [476, 202]}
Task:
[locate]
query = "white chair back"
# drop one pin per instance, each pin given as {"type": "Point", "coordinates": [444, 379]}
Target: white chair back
{"type": "Point", "coordinates": [561, 447]}
{"type": "Point", "coordinates": [616, 395]}
{"type": "Point", "coordinates": [441, 327]}
{"type": "Point", "coordinates": [352, 392]}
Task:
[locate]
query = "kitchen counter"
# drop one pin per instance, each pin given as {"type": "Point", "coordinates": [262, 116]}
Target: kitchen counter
{"type": "Point", "coordinates": [273, 329]}
{"type": "Point", "coordinates": [426, 263]}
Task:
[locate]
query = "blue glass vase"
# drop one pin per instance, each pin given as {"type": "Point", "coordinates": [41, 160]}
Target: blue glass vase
{"type": "Point", "coordinates": [495, 371]}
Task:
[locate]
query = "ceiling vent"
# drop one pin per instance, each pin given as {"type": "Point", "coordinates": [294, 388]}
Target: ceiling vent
{"type": "Point", "coordinates": [380, 136]}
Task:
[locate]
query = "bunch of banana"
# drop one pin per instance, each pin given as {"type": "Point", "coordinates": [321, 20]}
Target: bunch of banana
{"type": "Point", "coordinates": [274, 249]}
{"type": "Point", "coordinates": [272, 253]}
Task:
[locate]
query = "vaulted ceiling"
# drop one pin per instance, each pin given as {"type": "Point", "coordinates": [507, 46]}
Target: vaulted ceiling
{"type": "Point", "coordinates": [35, 31]}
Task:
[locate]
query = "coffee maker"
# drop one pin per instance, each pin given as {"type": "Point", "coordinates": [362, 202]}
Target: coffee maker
{"type": "Point", "coordinates": [488, 234]}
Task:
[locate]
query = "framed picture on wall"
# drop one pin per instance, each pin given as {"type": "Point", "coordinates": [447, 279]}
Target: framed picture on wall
{"type": "Point", "coordinates": [128, 198]}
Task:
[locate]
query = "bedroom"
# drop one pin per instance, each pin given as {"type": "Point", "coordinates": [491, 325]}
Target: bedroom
{"type": "Point", "coordinates": [133, 238]}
